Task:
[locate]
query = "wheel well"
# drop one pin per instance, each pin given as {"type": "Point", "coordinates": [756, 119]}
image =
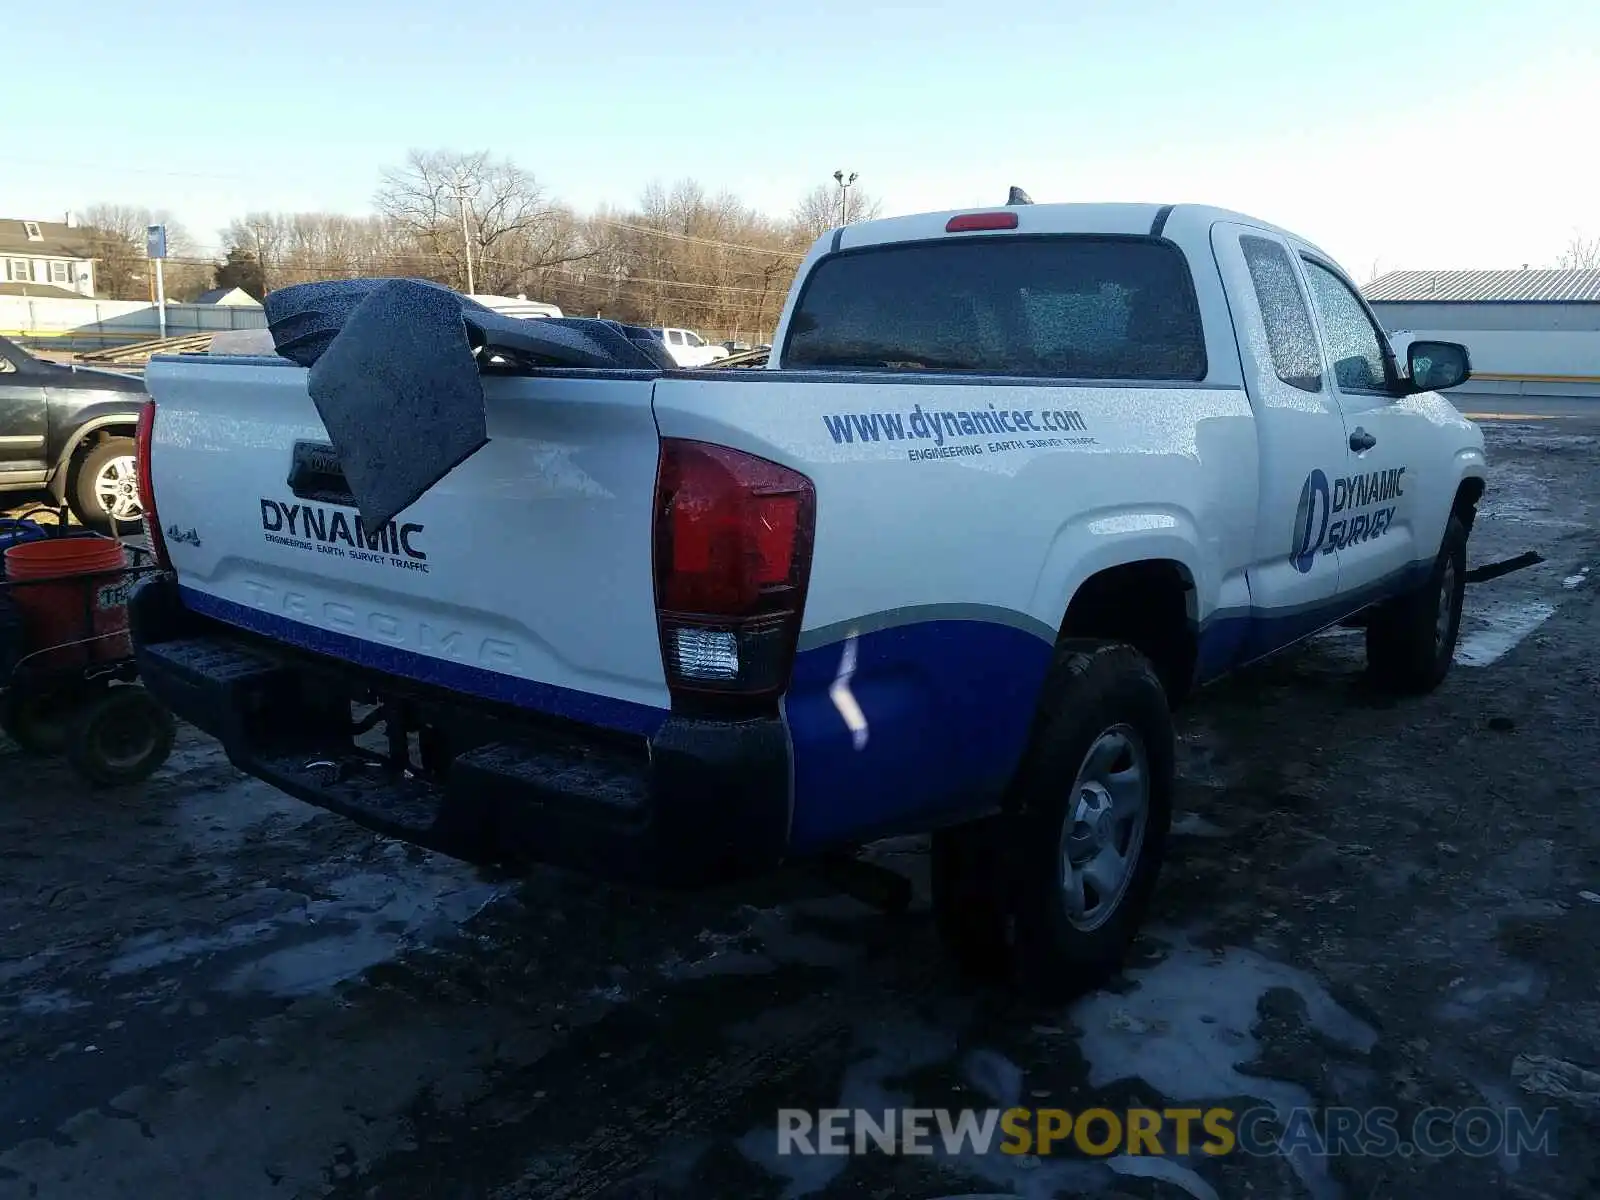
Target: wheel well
{"type": "Point", "coordinates": [1465, 505]}
{"type": "Point", "coordinates": [65, 475]}
{"type": "Point", "coordinates": [104, 433]}
{"type": "Point", "coordinates": [87, 442]}
{"type": "Point", "coordinates": [1146, 605]}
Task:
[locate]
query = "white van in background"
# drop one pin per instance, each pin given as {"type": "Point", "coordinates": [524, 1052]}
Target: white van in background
{"type": "Point", "coordinates": [517, 306]}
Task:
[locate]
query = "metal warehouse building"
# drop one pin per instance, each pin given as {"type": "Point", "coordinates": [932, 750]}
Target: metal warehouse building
{"type": "Point", "coordinates": [1529, 332]}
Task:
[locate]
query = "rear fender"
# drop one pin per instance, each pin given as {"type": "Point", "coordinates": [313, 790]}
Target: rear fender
{"type": "Point", "coordinates": [79, 438]}
{"type": "Point", "coordinates": [1095, 542]}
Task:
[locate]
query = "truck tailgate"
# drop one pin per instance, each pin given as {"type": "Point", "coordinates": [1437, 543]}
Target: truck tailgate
{"type": "Point", "coordinates": [523, 577]}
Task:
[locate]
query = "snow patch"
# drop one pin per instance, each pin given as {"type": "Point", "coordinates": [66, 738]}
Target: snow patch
{"type": "Point", "coordinates": [1186, 1030]}
{"type": "Point", "coordinates": [1501, 629]}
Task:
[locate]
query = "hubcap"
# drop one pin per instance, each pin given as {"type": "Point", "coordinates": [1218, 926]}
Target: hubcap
{"type": "Point", "coordinates": [124, 740]}
{"type": "Point", "coordinates": [1105, 826]}
{"type": "Point", "coordinates": [116, 487]}
{"type": "Point", "coordinates": [1447, 603]}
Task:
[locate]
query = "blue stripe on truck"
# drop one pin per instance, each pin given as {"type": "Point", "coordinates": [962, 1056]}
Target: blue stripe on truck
{"type": "Point", "coordinates": [603, 711]}
{"type": "Point", "coordinates": [948, 706]}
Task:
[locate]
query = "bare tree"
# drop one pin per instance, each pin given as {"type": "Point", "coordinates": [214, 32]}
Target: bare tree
{"type": "Point", "coordinates": [115, 237]}
{"type": "Point", "coordinates": [1581, 254]}
{"type": "Point", "coordinates": [680, 256]}
{"type": "Point", "coordinates": [818, 210]}
{"type": "Point", "coordinates": [447, 201]}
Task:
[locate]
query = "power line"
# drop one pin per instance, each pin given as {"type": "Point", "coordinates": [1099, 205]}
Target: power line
{"type": "Point", "coordinates": [698, 241]}
{"type": "Point", "coordinates": [102, 169]}
{"type": "Point", "coordinates": [355, 264]}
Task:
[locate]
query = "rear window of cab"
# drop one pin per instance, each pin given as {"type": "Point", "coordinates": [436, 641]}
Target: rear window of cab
{"type": "Point", "coordinates": [1063, 307]}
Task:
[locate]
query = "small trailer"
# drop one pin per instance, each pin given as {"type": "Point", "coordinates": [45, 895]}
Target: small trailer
{"type": "Point", "coordinates": [68, 681]}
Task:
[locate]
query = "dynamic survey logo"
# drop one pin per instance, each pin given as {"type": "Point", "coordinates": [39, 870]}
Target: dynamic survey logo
{"type": "Point", "coordinates": [1354, 509]}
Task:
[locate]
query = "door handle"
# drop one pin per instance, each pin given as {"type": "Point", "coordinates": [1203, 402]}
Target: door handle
{"type": "Point", "coordinates": [1361, 441]}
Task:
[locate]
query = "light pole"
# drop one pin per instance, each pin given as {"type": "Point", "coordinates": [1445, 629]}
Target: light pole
{"type": "Point", "coordinates": [261, 258]}
{"type": "Point", "coordinates": [844, 182]}
{"type": "Point", "coordinates": [461, 189]}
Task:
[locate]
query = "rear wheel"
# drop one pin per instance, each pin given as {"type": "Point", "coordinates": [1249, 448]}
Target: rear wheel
{"type": "Point", "coordinates": [1411, 640]}
{"type": "Point", "coordinates": [120, 737]}
{"type": "Point", "coordinates": [1054, 892]}
{"type": "Point", "coordinates": [106, 486]}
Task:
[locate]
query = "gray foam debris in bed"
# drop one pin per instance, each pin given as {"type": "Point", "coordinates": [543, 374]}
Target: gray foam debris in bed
{"type": "Point", "coordinates": [395, 372]}
{"type": "Point", "coordinates": [400, 395]}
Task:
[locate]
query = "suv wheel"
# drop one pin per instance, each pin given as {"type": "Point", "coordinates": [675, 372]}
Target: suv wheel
{"type": "Point", "coordinates": [106, 486]}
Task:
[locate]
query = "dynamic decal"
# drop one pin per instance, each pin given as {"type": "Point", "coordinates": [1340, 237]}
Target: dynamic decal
{"type": "Point", "coordinates": [949, 431]}
{"type": "Point", "coordinates": [1319, 527]}
{"type": "Point", "coordinates": [338, 533]}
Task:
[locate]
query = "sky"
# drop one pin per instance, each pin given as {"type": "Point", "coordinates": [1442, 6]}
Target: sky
{"type": "Point", "coordinates": [1395, 134]}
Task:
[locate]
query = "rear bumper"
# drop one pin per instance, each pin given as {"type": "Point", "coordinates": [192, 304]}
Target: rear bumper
{"type": "Point", "coordinates": [697, 803]}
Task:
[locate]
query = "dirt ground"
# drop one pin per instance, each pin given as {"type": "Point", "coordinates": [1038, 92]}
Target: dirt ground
{"type": "Point", "coordinates": [210, 990]}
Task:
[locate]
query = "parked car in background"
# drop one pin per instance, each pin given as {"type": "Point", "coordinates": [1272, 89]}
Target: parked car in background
{"type": "Point", "coordinates": [69, 430]}
{"type": "Point", "coordinates": [688, 348]}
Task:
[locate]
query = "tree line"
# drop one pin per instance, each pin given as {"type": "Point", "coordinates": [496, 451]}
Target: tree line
{"type": "Point", "coordinates": [482, 224]}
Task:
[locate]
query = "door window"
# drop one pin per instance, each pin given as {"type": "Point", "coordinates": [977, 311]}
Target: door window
{"type": "Point", "coordinates": [1353, 340]}
{"type": "Point", "coordinates": [1292, 338]}
{"type": "Point", "coordinates": [675, 336]}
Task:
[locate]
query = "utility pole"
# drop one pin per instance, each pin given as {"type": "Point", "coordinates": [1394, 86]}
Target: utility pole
{"type": "Point", "coordinates": [261, 259]}
{"type": "Point", "coordinates": [460, 187]}
{"type": "Point", "coordinates": [155, 249]}
{"type": "Point", "coordinates": [844, 183]}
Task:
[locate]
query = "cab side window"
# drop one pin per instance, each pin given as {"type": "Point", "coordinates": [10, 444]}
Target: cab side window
{"type": "Point", "coordinates": [1353, 342]}
{"type": "Point", "coordinates": [1291, 336]}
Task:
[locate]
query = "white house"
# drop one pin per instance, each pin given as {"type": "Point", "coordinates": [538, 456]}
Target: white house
{"type": "Point", "coordinates": [52, 256]}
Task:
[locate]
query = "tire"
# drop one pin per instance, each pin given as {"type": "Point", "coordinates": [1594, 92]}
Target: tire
{"type": "Point", "coordinates": [1411, 640]}
{"type": "Point", "coordinates": [121, 737]}
{"type": "Point", "coordinates": [114, 455]}
{"type": "Point", "coordinates": [39, 722]}
{"type": "Point", "coordinates": [1001, 889]}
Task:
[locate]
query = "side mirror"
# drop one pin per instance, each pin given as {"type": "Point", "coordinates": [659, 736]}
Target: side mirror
{"type": "Point", "coordinates": [1437, 365]}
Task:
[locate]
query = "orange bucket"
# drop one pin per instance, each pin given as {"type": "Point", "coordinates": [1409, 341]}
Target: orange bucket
{"type": "Point", "coordinates": [71, 590]}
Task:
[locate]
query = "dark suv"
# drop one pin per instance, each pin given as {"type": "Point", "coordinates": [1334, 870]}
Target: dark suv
{"type": "Point", "coordinates": [69, 430]}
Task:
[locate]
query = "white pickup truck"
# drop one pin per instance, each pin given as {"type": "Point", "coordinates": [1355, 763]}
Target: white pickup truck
{"type": "Point", "coordinates": [1014, 482]}
{"type": "Point", "coordinates": [688, 348]}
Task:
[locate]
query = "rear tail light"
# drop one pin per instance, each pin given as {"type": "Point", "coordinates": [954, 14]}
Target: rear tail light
{"type": "Point", "coordinates": [733, 539]}
{"type": "Point", "coordinates": [143, 438]}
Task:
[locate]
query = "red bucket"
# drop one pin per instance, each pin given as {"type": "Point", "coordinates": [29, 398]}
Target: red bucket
{"type": "Point", "coordinates": [71, 590]}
